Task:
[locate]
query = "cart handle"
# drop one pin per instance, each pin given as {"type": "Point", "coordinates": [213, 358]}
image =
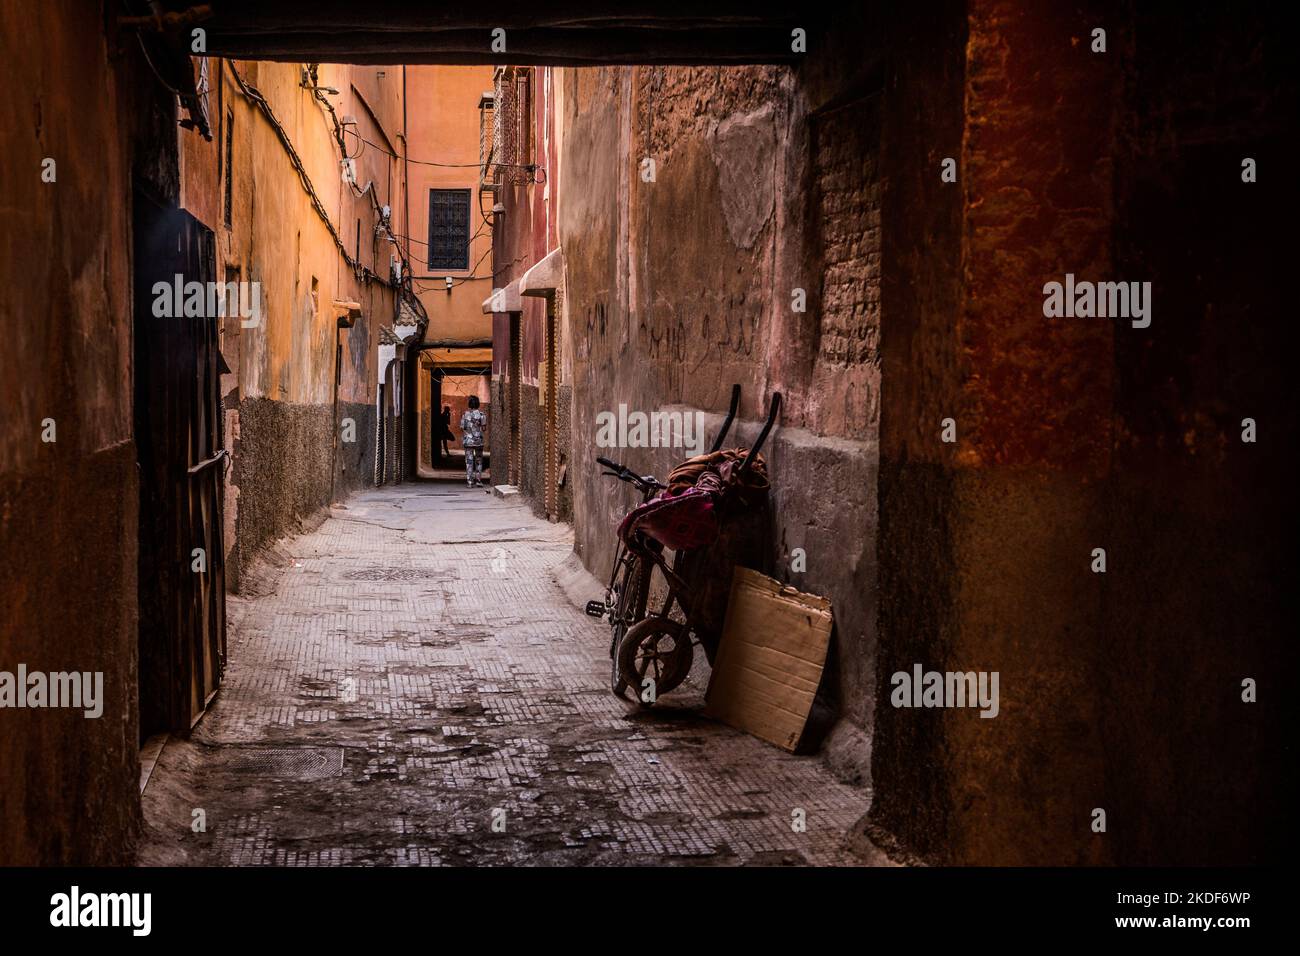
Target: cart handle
{"type": "Point", "coordinates": [773, 411]}
{"type": "Point", "coordinates": [731, 416]}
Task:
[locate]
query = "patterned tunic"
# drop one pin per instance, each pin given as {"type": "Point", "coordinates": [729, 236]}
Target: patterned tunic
{"type": "Point", "coordinates": [472, 424]}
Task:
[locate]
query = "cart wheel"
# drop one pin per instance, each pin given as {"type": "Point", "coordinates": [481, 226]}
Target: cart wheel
{"type": "Point", "coordinates": [629, 599]}
{"type": "Point", "coordinates": [616, 682]}
{"type": "Point", "coordinates": [656, 648]}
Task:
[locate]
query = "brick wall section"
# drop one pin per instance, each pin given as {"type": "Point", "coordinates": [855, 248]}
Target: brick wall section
{"type": "Point", "coordinates": [845, 388]}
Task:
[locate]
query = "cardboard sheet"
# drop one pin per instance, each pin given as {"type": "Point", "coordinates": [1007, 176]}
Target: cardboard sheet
{"type": "Point", "coordinates": [770, 659]}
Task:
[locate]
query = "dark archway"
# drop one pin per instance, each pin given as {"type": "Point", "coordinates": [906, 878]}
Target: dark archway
{"type": "Point", "coordinates": [563, 34]}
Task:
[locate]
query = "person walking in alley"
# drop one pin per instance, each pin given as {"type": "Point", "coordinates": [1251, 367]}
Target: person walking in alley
{"type": "Point", "coordinates": [447, 434]}
{"type": "Point", "coordinates": [472, 424]}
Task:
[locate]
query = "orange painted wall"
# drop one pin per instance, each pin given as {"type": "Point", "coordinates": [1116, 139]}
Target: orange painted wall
{"type": "Point", "coordinates": [443, 127]}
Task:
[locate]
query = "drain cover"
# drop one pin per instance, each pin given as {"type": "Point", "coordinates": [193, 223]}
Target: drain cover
{"type": "Point", "coordinates": [393, 574]}
{"type": "Point", "coordinates": [300, 763]}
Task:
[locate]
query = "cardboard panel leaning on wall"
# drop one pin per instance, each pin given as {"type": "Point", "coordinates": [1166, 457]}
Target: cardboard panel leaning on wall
{"type": "Point", "coordinates": [770, 661]}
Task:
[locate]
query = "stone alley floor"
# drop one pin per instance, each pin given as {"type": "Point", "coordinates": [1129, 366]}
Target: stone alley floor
{"type": "Point", "coordinates": [411, 673]}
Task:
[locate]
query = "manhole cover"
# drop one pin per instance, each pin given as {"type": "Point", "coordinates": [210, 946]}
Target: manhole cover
{"type": "Point", "coordinates": [393, 574]}
{"type": "Point", "coordinates": [300, 763]}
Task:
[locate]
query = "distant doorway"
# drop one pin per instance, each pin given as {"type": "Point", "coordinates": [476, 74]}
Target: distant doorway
{"type": "Point", "coordinates": [445, 391]}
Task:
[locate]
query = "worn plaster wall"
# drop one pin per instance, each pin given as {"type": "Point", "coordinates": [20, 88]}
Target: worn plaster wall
{"type": "Point", "coordinates": [979, 535]}
{"type": "Point", "coordinates": [287, 413]}
{"type": "Point", "coordinates": [68, 508]}
{"type": "Point", "coordinates": [764, 184]}
{"type": "Point", "coordinates": [1120, 691]}
{"type": "Point", "coordinates": [522, 237]}
{"type": "Point", "coordinates": [443, 116]}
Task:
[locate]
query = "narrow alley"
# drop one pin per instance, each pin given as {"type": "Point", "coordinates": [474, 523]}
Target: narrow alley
{"type": "Point", "coordinates": [413, 667]}
{"type": "Point", "coordinates": [896, 386]}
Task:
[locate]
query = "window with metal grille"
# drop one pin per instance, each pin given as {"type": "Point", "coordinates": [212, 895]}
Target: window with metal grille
{"type": "Point", "coordinates": [448, 229]}
{"type": "Point", "coordinates": [512, 145]}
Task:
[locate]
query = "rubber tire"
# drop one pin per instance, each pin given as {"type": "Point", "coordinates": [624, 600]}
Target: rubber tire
{"type": "Point", "coordinates": [679, 664]}
{"type": "Point", "coordinates": [629, 586]}
{"type": "Point", "coordinates": [617, 684]}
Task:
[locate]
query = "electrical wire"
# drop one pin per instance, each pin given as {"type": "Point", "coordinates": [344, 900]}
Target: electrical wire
{"type": "Point", "coordinates": [460, 280]}
{"type": "Point", "coordinates": [148, 59]}
{"type": "Point", "coordinates": [460, 371]}
{"type": "Point", "coordinates": [425, 162]}
{"type": "Point", "coordinates": [340, 132]}
{"type": "Point", "coordinates": [191, 101]}
{"type": "Point", "coordinates": [398, 235]}
{"type": "Point", "coordinates": [258, 100]}
{"type": "Point", "coordinates": [475, 278]}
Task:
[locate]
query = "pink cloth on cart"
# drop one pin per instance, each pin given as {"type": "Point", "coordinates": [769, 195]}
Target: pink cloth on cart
{"type": "Point", "coordinates": [679, 521]}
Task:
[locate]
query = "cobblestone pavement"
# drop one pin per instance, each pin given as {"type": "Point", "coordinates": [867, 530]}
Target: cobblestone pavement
{"type": "Point", "coordinates": [412, 674]}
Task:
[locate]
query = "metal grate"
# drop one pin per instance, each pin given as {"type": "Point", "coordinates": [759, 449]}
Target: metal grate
{"type": "Point", "coordinates": [503, 124]}
{"type": "Point", "coordinates": [449, 228]}
{"type": "Point", "coordinates": [486, 138]}
{"type": "Point", "coordinates": [300, 763]}
{"type": "Point", "coordinates": [511, 131]}
{"type": "Point", "coordinates": [394, 574]}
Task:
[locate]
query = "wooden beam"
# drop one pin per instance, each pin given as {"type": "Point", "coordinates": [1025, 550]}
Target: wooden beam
{"type": "Point", "coordinates": [564, 34]}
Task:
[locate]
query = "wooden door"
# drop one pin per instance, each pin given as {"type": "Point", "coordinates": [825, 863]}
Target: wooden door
{"type": "Point", "coordinates": [179, 442]}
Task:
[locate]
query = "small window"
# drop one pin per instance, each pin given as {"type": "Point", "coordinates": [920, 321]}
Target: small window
{"type": "Point", "coordinates": [448, 229]}
{"type": "Point", "coordinates": [202, 87]}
